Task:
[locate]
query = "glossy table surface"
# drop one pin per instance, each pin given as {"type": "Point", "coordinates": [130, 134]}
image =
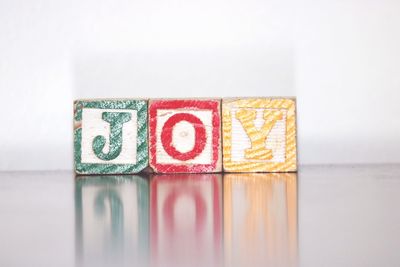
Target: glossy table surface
{"type": "Point", "coordinates": [321, 216]}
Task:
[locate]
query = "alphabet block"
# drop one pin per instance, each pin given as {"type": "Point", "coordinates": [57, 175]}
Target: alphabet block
{"type": "Point", "coordinates": [185, 136]}
{"type": "Point", "coordinates": [259, 135]}
{"type": "Point", "coordinates": [110, 136]}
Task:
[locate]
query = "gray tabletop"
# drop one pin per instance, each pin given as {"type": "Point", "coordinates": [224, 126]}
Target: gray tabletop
{"type": "Point", "coordinates": [321, 216]}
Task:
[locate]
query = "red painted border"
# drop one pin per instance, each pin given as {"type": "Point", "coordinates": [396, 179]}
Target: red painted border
{"type": "Point", "coordinates": [212, 105]}
{"type": "Point", "coordinates": [217, 184]}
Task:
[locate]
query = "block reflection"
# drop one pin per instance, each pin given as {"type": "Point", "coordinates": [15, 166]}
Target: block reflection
{"type": "Point", "coordinates": [260, 219]}
{"type": "Point", "coordinates": [181, 220]}
{"type": "Point", "coordinates": [186, 220]}
{"type": "Point", "coordinates": [112, 220]}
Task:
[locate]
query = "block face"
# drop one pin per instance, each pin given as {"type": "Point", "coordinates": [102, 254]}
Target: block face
{"type": "Point", "coordinates": [96, 126]}
{"type": "Point", "coordinates": [186, 215]}
{"type": "Point", "coordinates": [112, 220]}
{"type": "Point", "coordinates": [185, 136]}
{"type": "Point", "coordinates": [259, 135]}
{"type": "Point", "coordinates": [110, 136]}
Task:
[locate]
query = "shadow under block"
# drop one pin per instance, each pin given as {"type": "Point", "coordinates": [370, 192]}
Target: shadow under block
{"type": "Point", "coordinates": [110, 136]}
{"type": "Point", "coordinates": [185, 136]}
{"type": "Point", "coordinates": [259, 135]}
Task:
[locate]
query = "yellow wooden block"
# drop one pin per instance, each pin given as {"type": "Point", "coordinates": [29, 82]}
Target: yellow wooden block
{"type": "Point", "coordinates": [259, 135]}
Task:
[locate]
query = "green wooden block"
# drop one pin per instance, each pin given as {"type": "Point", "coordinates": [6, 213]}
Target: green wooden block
{"type": "Point", "coordinates": [110, 136]}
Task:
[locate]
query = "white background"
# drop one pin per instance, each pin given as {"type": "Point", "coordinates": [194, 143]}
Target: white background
{"type": "Point", "coordinates": [340, 58]}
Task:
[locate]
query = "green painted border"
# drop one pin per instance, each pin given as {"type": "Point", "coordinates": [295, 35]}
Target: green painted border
{"type": "Point", "coordinates": [142, 157]}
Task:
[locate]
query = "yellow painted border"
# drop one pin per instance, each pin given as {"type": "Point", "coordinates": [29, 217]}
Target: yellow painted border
{"type": "Point", "coordinates": [290, 164]}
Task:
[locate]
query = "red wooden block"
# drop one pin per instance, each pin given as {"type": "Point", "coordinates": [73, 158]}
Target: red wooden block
{"type": "Point", "coordinates": [185, 136]}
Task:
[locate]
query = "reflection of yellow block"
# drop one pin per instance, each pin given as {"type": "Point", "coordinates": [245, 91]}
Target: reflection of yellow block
{"type": "Point", "coordinates": [259, 135]}
{"type": "Point", "coordinates": [260, 219]}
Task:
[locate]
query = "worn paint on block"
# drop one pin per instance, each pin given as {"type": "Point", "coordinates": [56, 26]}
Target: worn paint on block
{"type": "Point", "coordinates": [185, 136]}
{"type": "Point", "coordinates": [259, 135]}
{"type": "Point", "coordinates": [110, 136]}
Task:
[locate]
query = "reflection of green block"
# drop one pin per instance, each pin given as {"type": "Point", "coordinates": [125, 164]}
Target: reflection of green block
{"type": "Point", "coordinates": [112, 219]}
{"type": "Point", "coordinates": [110, 136]}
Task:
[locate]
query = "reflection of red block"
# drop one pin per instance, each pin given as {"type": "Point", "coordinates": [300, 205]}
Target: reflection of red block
{"type": "Point", "coordinates": [185, 136]}
{"type": "Point", "coordinates": [186, 219]}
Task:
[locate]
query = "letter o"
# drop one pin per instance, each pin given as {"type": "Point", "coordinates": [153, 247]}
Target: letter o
{"type": "Point", "coordinates": [200, 136]}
